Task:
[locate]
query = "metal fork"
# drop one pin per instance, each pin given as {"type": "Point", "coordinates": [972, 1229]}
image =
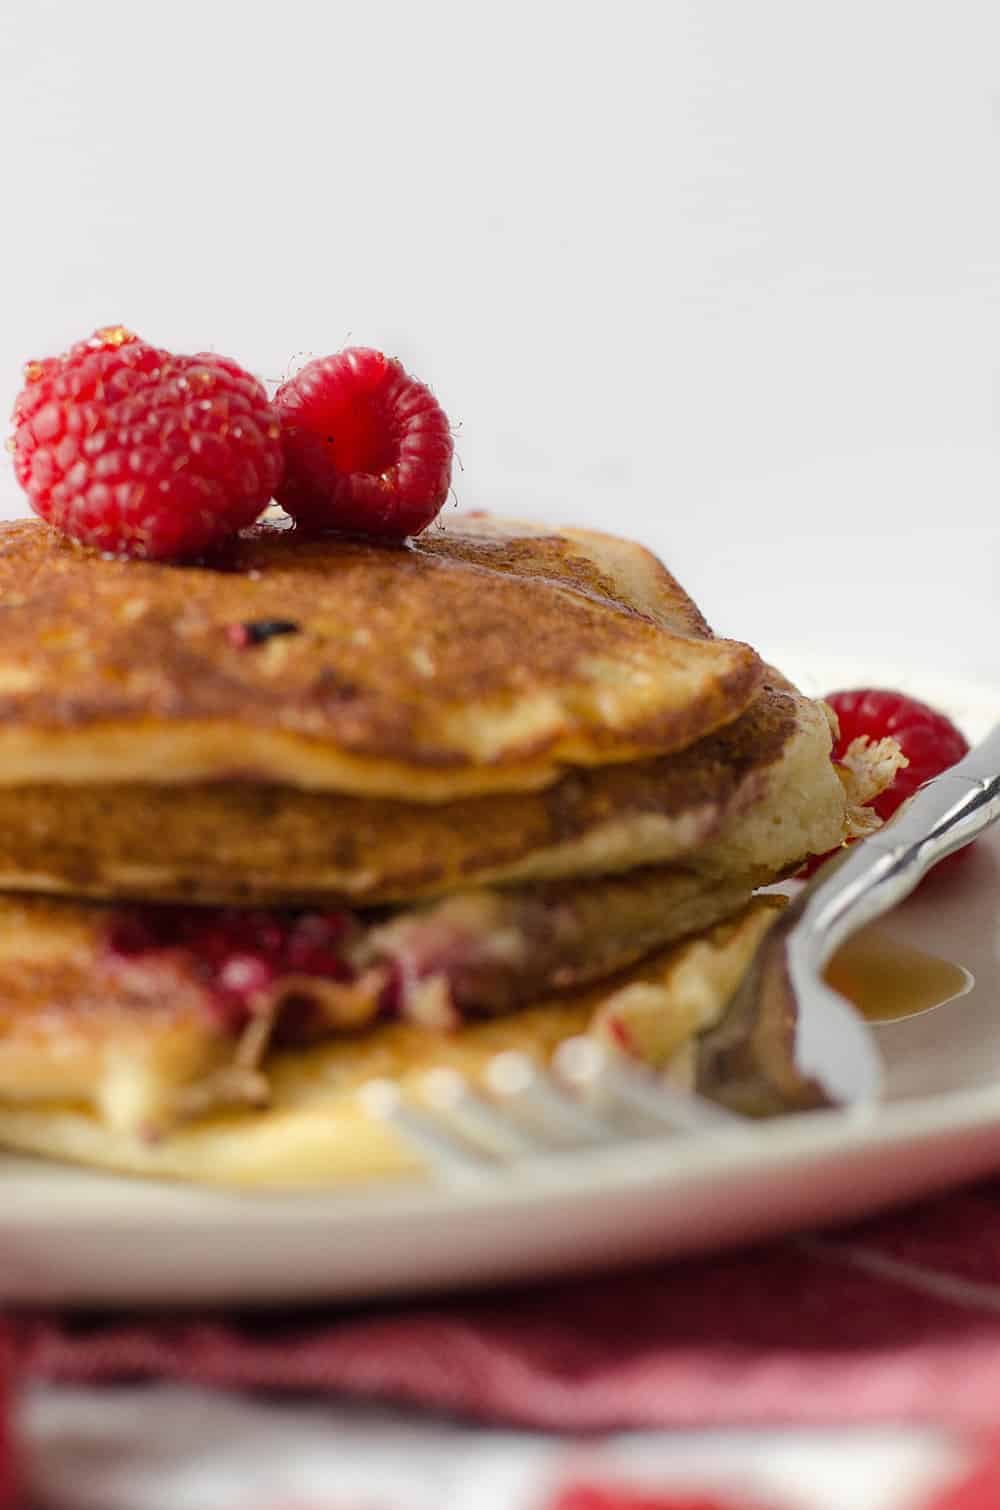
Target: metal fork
{"type": "Point", "coordinates": [589, 1096]}
{"type": "Point", "coordinates": [786, 1038]}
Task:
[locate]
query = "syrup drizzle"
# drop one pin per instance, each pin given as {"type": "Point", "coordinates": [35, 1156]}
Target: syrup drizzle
{"type": "Point", "coordinates": [887, 980]}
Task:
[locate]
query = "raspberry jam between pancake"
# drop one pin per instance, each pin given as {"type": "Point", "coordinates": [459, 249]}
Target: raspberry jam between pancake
{"type": "Point", "coordinates": [243, 956]}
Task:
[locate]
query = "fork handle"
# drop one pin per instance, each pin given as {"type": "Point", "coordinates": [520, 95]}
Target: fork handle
{"type": "Point", "coordinates": [941, 817]}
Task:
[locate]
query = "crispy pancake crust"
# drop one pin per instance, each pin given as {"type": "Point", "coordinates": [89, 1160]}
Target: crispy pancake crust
{"type": "Point", "coordinates": [316, 1132]}
{"type": "Point", "coordinates": [483, 657]}
{"type": "Point", "coordinates": [242, 842]}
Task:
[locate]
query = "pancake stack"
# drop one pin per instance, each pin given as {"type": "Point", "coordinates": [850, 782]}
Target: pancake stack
{"type": "Point", "coordinates": [318, 810]}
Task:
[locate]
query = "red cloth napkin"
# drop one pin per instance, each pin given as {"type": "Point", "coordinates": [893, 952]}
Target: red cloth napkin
{"type": "Point", "coordinates": [895, 1319]}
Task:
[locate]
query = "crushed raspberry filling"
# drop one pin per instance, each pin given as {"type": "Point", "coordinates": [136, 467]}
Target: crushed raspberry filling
{"type": "Point", "coordinates": [241, 954]}
{"type": "Point", "coordinates": [433, 964]}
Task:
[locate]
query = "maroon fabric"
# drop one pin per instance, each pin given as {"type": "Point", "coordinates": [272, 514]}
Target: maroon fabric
{"type": "Point", "coordinates": [795, 1332]}
{"type": "Point", "coordinates": [9, 1497]}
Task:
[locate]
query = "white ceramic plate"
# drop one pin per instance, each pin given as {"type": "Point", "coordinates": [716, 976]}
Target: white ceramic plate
{"type": "Point", "coordinates": [76, 1238]}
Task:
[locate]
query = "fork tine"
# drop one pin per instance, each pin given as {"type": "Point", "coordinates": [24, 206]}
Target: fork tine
{"type": "Point", "coordinates": [448, 1092]}
{"type": "Point", "coordinates": [588, 1065]}
{"type": "Point", "coordinates": [447, 1153]}
{"type": "Point", "coordinates": [527, 1112]}
{"type": "Point", "coordinates": [517, 1082]}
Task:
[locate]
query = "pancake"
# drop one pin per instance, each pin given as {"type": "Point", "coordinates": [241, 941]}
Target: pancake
{"type": "Point", "coordinates": [419, 803]}
{"type": "Point", "coordinates": [314, 1130]}
{"type": "Point", "coordinates": [247, 843]}
{"type": "Point", "coordinates": [132, 1029]}
{"type": "Point", "coordinates": [484, 657]}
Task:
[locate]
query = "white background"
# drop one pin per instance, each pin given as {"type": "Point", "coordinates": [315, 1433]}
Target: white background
{"type": "Point", "coordinates": [721, 273]}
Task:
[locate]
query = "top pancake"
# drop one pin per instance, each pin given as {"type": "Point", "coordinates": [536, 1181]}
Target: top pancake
{"type": "Point", "coordinates": [484, 657]}
{"type": "Point", "coordinates": [764, 786]}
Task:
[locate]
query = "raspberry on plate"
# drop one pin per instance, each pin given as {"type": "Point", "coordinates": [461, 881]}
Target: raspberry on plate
{"type": "Point", "coordinates": [368, 449]}
{"type": "Point", "coordinates": [140, 452]}
{"type": "Point", "coordinates": [928, 739]}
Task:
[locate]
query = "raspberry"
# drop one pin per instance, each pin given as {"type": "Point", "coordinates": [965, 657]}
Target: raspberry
{"type": "Point", "coordinates": [367, 448]}
{"type": "Point", "coordinates": [244, 975]}
{"type": "Point", "coordinates": [238, 953]}
{"type": "Point", "coordinates": [929, 740]}
{"type": "Point", "coordinates": [143, 453]}
{"type": "Point", "coordinates": [312, 947]}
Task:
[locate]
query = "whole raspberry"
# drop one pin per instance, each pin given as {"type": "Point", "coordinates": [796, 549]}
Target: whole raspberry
{"type": "Point", "coordinates": [928, 739]}
{"type": "Point", "coordinates": [143, 453]}
{"type": "Point", "coordinates": [367, 448]}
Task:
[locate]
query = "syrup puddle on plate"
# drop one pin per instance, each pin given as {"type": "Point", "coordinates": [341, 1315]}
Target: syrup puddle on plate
{"type": "Point", "coordinates": [887, 980]}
